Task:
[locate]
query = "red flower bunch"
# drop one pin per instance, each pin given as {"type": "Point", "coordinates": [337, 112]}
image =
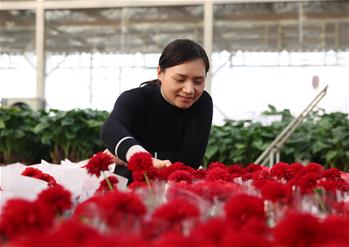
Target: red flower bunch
{"type": "Point", "coordinates": [236, 170]}
{"type": "Point", "coordinates": [120, 209]}
{"type": "Point", "coordinates": [218, 174]}
{"type": "Point", "coordinates": [36, 173]}
{"type": "Point", "coordinates": [104, 186]}
{"type": "Point", "coordinates": [198, 174]}
{"type": "Point", "coordinates": [212, 232]}
{"type": "Point", "coordinates": [242, 207]}
{"type": "Point", "coordinates": [298, 230]}
{"type": "Point", "coordinates": [180, 175]}
{"type": "Point", "coordinates": [98, 163]}
{"type": "Point", "coordinates": [215, 190]}
{"type": "Point", "coordinates": [165, 172]}
{"type": "Point", "coordinates": [335, 231]}
{"type": "Point", "coordinates": [86, 210]}
{"type": "Point", "coordinates": [252, 168]}
{"type": "Point", "coordinates": [332, 174]}
{"type": "Point", "coordinates": [313, 167]}
{"type": "Point", "coordinates": [260, 178]}
{"type": "Point", "coordinates": [213, 165]}
{"type": "Point", "coordinates": [277, 192]}
{"type": "Point", "coordinates": [69, 233]}
{"type": "Point", "coordinates": [281, 171]}
{"type": "Point", "coordinates": [294, 169]}
{"type": "Point", "coordinates": [176, 211]}
{"type": "Point", "coordinates": [141, 166]}
{"type": "Point", "coordinates": [20, 218]}
{"type": "Point", "coordinates": [307, 181]}
{"type": "Point", "coordinates": [57, 198]}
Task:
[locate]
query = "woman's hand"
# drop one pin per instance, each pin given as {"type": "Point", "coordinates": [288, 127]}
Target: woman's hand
{"type": "Point", "coordinates": [161, 163]}
{"type": "Point", "coordinates": [116, 160]}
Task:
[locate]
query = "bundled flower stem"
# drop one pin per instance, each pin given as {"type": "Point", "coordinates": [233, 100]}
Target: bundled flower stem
{"type": "Point", "coordinates": [110, 186]}
{"type": "Point", "coordinates": [318, 195]}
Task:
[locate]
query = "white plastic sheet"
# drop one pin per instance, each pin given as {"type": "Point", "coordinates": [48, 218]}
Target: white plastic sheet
{"type": "Point", "coordinates": [69, 174]}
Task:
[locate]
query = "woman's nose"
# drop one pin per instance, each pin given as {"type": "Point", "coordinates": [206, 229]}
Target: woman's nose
{"type": "Point", "coordinates": [188, 88]}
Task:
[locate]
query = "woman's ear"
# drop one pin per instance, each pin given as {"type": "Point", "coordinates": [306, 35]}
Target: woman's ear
{"type": "Point", "coordinates": [159, 72]}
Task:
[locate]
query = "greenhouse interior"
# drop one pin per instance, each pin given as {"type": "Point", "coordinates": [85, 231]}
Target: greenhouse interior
{"type": "Point", "coordinates": [174, 123]}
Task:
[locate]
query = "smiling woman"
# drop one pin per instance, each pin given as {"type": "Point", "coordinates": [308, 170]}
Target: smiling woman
{"type": "Point", "coordinates": [169, 117]}
{"type": "Point", "coordinates": [183, 84]}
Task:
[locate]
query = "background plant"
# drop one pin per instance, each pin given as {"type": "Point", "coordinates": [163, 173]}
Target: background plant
{"type": "Point", "coordinates": [27, 136]}
{"type": "Point", "coordinates": [322, 138]}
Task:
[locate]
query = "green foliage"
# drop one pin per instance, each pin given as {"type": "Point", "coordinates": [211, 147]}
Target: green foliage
{"type": "Point", "coordinates": [29, 136]}
{"type": "Point", "coordinates": [322, 138]}
{"type": "Point", "coordinates": [18, 142]}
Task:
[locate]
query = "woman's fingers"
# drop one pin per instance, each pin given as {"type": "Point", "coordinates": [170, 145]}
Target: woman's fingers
{"type": "Point", "coordinates": [161, 163]}
{"type": "Point", "coordinates": [116, 160]}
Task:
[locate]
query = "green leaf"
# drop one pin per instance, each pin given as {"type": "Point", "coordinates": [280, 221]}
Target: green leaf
{"type": "Point", "coordinates": [2, 124]}
{"type": "Point", "coordinates": [331, 154]}
{"type": "Point", "coordinates": [211, 150]}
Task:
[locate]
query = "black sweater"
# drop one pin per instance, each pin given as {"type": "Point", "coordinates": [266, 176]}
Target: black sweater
{"type": "Point", "coordinates": [158, 126]}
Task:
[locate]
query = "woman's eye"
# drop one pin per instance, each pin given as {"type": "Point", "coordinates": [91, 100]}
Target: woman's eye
{"type": "Point", "coordinates": [198, 82]}
{"type": "Point", "coordinates": [179, 80]}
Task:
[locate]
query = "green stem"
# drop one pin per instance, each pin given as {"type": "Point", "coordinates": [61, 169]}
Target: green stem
{"type": "Point", "coordinates": [148, 183]}
{"type": "Point", "coordinates": [110, 186]}
{"type": "Point", "coordinates": [319, 199]}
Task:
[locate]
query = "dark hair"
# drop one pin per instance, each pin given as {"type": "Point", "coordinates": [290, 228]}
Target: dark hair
{"type": "Point", "coordinates": [177, 52]}
{"type": "Point", "coordinates": [180, 51]}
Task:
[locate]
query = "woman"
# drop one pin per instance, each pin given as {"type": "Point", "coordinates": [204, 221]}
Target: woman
{"type": "Point", "coordinates": [169, 117]}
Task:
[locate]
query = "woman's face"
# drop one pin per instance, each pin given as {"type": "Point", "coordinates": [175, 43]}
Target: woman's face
{"type": "Point", "coordinates": [183, 84]}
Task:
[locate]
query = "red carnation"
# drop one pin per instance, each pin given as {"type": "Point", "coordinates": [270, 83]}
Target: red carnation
{"type": "Point", "coordinates": [180, 175]}
{"type": "Point", "coordinates": [307, 182]}
{"type": "Point", "coordinates": [281, 171]}
{"type": "Point", "coordinates": [332, 174]}
{"type": "Point", "coordinates": [104, 186]}
{"type": "Point", "coordinates": [277, 192]}
{"type": "Point", "coordinates": [215, 190]}
{"type": "Point", "coordinates": [20, 218]}
{"type": "Point", "coordinates": [36, 173]}
{"type": "Point", "coordinates": [198, 174]}
{"type": "Point", "coordinates": [120, 209]}
{"type": "Point", "coordinates": [69, 233]}
{"type": "Point", "coordinates": [242, 208]}
{"type": "Point", "coordinates": [217, 164]}
{"type": "Point", "coordinates": [343, 186]}
{"type": "Point", "coordinates": [260, 178]}
{"type": "Point", "coordinates": [176, 210]}
{"type": "Point", "coordinates": [165, 172]}
{"type": "Point", "coordinates": [218, 174]}
{"type": "Point", "coordinates": [32, 172]}
{"type": "Point", "coordinates": [335, 230]}
{"type": "Point", "coordinates": [294, 169]}
{"type": "Point", "coordinates": [137, 184]}
{"type": "Point", "coordinates": [212, 232]}
{"type": "Point", "coordinates": [140, 161]}
{"type": "Point", "coordinates": [298, 230]}
{"type": "Point", "coordinates": [141, 166]}
{"type": "Point", "coordinates": [236, 169]}
{"type": "Point", "coordinates": [252, 168]}
{"type": "Point", "coordinates": [329, 185]}
{"type": "Point", "coordinates": [57, 198]}
{"type": "Point", "coordinates": [98, 163]}
{"type": "Point", "coordinates": [87, 210]}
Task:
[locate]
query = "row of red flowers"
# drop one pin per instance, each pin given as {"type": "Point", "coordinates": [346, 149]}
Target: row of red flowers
{"type": "Point", "coordinates": [288, 205]}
